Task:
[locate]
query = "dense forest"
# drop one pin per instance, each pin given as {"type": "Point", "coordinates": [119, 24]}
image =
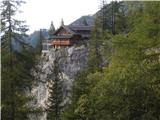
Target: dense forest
{"type": "Point", "coordinates": [121, 80]}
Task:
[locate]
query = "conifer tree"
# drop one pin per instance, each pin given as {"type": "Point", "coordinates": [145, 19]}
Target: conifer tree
{"type": "Point", "coordinates": [95, 58]}
{"type": "Point", "coordinates": [39, 44]}
{"type": "Point", "coordinates": [51, 30]}
{"type": "Point", "coordinates": [77, 109]}
{"type": "Point", "coordinates": [16, 66]}
{"type": "Point", "coordinates": [113, 18]}
{"type": "Point", "coordinates": [104, 15]}
{"type": "Point", "coordinates": [56, 94]}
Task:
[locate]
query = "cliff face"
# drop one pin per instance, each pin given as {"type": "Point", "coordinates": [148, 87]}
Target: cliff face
{"type": "Point", "coordinates": [72, 60]}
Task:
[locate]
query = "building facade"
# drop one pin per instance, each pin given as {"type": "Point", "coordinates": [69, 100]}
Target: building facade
{"type": "Point", "coordinates": [69, 35]}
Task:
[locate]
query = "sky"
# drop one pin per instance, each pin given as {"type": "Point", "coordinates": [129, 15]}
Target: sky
{"type": "Point", "coordinates": [39, 13]}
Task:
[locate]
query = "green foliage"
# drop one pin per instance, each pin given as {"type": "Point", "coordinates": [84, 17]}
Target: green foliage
{"type": "Point", "coordinates": [10, 23]}
{"type": "Point", "coordinates": [79, 88]}
{"type": "Point", "coordinates": [16, 65]}
{"type": "Point", "coordinates": [128, 87]}
{"type": "Point", "coordinates": [16, 79]}
{"type": "Point", "coordinates": [113, 17]}
{"type": "Point", "coordinates": [56, 94]}
{"type": "Point", "coordinates": [38, 49]}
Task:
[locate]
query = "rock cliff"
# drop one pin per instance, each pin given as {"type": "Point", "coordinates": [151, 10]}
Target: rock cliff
{"type": "Point", "coordinates": [72, 60]}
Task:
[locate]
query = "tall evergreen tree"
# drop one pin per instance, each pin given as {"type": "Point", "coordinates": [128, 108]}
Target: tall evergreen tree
{"type": "Point", "coordinates": [16, 66]}
{"type": "Point", "coordinates": [77, 109]}
{"type": "Point", "coordinates": [113, 17]}
{"type": "Point", "coordinates": [51, 29]}
{"type": "Point", "coordinates": [95, 57]}
{"type": "Point", "coordinates": [104, 15]}
{"type": "Point", "coordinates": [39, 46]}
{"type": "Point", "coordinates": [56, 94]}
{"type": "Point", "coordinates": [13, 30]}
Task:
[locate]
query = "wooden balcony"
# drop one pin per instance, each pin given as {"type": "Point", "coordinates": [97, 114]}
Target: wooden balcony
{"type": "Point", "coordinates": [58, 42]}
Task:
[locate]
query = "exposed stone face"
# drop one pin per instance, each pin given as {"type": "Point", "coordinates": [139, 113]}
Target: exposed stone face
{"type": "Point", "coordinates": [72, 60]}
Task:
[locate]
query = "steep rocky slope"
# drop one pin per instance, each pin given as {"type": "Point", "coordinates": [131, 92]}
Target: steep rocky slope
{"type": "Point", "coordinates": [72, 60]}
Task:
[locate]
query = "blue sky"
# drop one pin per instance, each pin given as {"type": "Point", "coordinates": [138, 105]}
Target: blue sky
{"type": "Point", "coordinates": [39, 13]}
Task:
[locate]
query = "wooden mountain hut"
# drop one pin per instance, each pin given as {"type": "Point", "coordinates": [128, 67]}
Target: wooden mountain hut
{"type": "Point", "coordinates": [69, 35]}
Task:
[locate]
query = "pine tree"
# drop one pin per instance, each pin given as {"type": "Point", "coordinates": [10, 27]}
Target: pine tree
{"type": "Point", "coordinates": [77, 109]}
{"type": "Point", "coordinates": [51, 30]}
{"type": "Point", "coordinates": [113, 17]}
{"type": "Point", "coordinates": [13, 29]}
{"type": "Point", "coordinates": [56, 94]}
{"type": "Point", "coordinates": [39, 46]}
{"type": "Point", "coordinates": [16, 66]}
{"type": "Point", "coordinates": [104, 15]}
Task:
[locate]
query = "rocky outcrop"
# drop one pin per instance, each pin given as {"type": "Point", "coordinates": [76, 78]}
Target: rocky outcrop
{"type": "Point", "coordinates": [72, 60]}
